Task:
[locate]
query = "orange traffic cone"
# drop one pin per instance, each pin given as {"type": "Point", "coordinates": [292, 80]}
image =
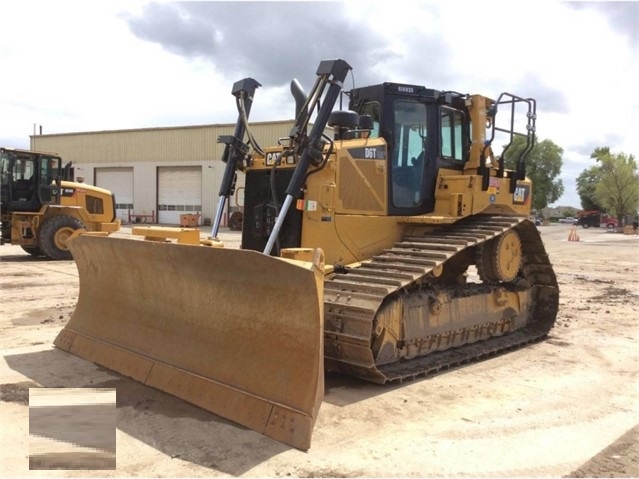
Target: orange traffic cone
{"type": "Point", "coordinates": [573, 236]}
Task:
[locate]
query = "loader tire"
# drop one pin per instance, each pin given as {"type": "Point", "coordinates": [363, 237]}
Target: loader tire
{"type": "Point", "coordinates": [53, 234]}
{"type": "Point", "coordinates": [33, 250]}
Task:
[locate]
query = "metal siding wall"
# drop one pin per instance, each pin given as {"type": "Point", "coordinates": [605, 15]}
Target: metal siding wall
{"type": "Point", "coordinates": [147, 149]}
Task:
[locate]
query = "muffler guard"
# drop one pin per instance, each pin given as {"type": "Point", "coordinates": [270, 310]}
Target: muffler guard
{"type": "Point", "coordinates": [235, 332]}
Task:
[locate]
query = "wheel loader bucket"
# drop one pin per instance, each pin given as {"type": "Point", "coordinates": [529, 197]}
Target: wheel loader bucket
{"type": "Point", "coordinates": [235, 332]}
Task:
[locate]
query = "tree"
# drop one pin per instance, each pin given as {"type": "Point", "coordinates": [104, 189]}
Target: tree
{"type": "Point", "coordinates": [543, 166]}
{"type": "Point", "coordinates": [618, 188]}
{"type": "Point", "coordinates": [600, 152]}
{"type": "Point", "coordinates": [586, 184]}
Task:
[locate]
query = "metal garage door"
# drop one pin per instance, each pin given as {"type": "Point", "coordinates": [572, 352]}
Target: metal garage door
{"type": "Point", "coordinates": [120, 182]}
{"type": "Point", "coordinates": [179, 192]}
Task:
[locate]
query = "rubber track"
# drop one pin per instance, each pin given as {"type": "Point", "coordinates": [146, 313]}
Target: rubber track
{"type": "Point", "coordinates": [353, 299]}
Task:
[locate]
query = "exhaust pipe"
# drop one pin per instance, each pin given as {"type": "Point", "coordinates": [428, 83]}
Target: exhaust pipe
{"type": "Point", "coordinates": [300, 97]}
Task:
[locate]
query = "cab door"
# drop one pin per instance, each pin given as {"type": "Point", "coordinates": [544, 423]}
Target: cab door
{"type": "Point", "coordinates": [408, 157]}
{"type": "Point", "coordinates": [23, 183]}
{"type": "Point", "coordinates": [49, 170]}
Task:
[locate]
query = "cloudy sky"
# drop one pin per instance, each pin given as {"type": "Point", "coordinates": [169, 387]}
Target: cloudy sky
{"type": "Point", "coordinates": [87, 66]}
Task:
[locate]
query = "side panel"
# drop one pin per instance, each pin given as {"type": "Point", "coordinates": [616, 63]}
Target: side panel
{"type": "Point", "coordinates": [462, 195]}
{"type": "Point", "coordinates": [93, 205]}
{"type": "Point", "coordinates": [362, 180]}
{"type": "Point", "coordinates": [346, 203]}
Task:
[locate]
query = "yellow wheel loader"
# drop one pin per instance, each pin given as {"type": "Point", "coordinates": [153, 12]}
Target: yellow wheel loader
{"type": "Point", "coordinates": [40, 210]}
{"type": "Point", "coordinates": [396, 246]}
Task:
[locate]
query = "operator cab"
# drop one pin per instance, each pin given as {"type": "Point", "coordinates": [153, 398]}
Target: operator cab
{"type": "Point", "coordinates": [425, 130]}
{"type": "Point", "coordinates": [28, 178]}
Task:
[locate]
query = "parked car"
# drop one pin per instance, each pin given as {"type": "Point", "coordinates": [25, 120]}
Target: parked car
{"type": "Point", "coordinates": [568, 220]}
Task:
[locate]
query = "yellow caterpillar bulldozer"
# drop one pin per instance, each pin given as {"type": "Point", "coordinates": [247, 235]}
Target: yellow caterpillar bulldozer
{"type": "Point", "coordinates": [41, 209]}
{"type": "Point", "coordinates": [392, 247]}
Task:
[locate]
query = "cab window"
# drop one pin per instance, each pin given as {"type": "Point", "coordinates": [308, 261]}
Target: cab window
{"type": "Point", "coordinates": [452, 140]}
{"type": "Point", "coordinates": [49, 169]}
{"type": "Point", "coordinates": [407, 157]}
{"type": "Point", "coordinates": [95, 205]}
{"type": "Point", "coordinates": [4, 170]}
{"type": "Point", "coordinates": [373, 109]}
{"type": "Point", "coordinates": [23, 169]}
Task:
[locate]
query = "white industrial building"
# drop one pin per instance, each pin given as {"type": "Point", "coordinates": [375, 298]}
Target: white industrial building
{"type": "Point", "coordinates": [157, 174]}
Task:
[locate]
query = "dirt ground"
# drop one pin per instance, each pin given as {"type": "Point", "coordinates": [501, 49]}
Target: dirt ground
{"type": "Point", "coordinates": [567, 406]}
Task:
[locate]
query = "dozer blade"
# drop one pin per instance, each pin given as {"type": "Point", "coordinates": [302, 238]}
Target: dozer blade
{"type": "Point", "coordinates": [235, 332]}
